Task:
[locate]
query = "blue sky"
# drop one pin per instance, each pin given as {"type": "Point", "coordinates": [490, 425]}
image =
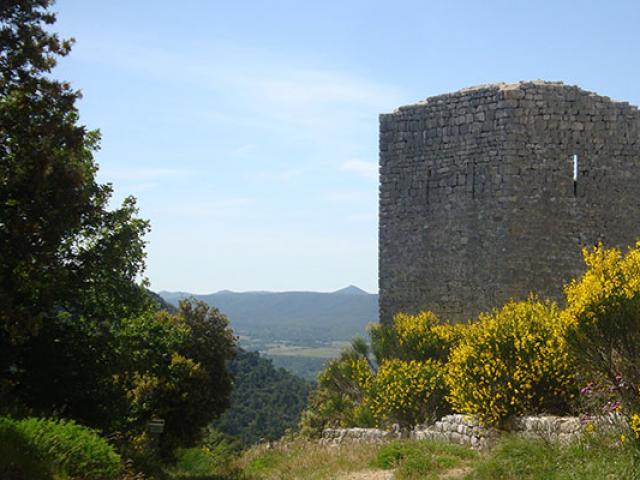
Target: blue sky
{"type": "Point", "coordinates": [248, 129]}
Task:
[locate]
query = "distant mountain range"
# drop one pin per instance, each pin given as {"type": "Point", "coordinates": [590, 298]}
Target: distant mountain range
{"type": "Point", "coordinates": [305, 317]}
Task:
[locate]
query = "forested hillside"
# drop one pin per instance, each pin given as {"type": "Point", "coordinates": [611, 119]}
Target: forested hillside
{"type": "Point", "coordinates": [265, 401]}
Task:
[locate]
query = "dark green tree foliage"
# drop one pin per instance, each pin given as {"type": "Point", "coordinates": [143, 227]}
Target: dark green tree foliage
{"type": "Point", "coordinates": [55, 233]}
{"type": "Point", "coordinates": [118, 376]}
{"type": "Point", "coordinates": [79, 334]}
{"type": "Point", "coordinates": [68, 265]}
{"type": "Point", "coordinates": [266, 401]}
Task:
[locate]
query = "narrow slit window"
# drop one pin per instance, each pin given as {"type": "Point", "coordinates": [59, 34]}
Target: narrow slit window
{"type": "Point", "coordinates": [575, 174]}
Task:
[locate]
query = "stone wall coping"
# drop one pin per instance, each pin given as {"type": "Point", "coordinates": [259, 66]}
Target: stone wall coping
{"type": "Point", "coordinates": [491, 89]}
{"type": "Point", "coordinates": [468, 430]}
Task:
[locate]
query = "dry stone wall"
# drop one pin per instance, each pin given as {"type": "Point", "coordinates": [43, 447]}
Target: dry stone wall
{"type": "Point", "coordinates": [477, 196]}
{"type": "Point", "coordinates": [337, 436]}
{"type": "Point", "coordinates": [466, 430]}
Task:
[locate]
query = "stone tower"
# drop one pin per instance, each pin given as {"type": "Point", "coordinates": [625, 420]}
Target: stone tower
{"type": "Point", "coordinates": [489, 193]}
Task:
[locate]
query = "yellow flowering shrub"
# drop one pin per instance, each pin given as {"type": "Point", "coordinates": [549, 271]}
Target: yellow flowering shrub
{"type": "Point", "coordinates": [408, 387]}
{"type": "Point", "coordinates": [603, 314]}
{"type": "Point", "coordinates": [341, 397]}
{"type": "Point", "coordinates": [404, 385]}
{"type": "Point", "coordinates": [512, 361]}
{"type": "Point", "coordinates": [407, 392]}
{"type": "Point", "coordinates": [350, 374]}
{"type": "Point", "coordinates": [414, 337]}
{"type": "Point", "coordinates": [634, 423]}
{"type": "Point", "coordinates": [610, 276]}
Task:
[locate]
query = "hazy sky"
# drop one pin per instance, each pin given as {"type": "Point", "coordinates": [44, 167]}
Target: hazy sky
{"type": "Point", "coordinates": [248, 130]}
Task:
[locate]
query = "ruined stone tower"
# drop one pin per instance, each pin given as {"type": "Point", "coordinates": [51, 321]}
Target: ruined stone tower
{"type": "Point", "coordinates": [489, 193]}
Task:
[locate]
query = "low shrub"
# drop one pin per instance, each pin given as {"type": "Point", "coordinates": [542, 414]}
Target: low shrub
{"type": "Point", "coordinates": [340, 399]}
{"type": "Point", "coordinates": [58, 446]}
{"type": "Point", "coordinates": [404, 384]}
{"type": "Point", "coordinates": [512, 361]}
{"type": "Point", "coordinates": [603, 314]}
{"type": "Point", "coordinates": [408, 392]}
{"type": "Point", "coordinates": [414, 337]}
{"type": "Point", "coordinates": [408, 387]}
{"type": "Point", "coordinates": [19, 458]}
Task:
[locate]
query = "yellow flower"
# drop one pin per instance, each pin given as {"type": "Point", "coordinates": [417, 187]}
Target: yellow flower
{"type": "Point", "coordinates": [510, 361]}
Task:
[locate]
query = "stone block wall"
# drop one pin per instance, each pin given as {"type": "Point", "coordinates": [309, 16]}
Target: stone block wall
{"type": "Point", "coordinates": [466, 430]}
{"type": "Point", "coordinates": [477, 196]}
{"type": "Point", "coordinates": [337, 436]}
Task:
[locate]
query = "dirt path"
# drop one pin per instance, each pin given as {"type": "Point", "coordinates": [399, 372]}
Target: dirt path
{"type": "Point", "coordinates": [388, 474]}
{"type": "Point", "coordinates": [456, 473]}
{"type": "Point", "coordinates": [369, 475]}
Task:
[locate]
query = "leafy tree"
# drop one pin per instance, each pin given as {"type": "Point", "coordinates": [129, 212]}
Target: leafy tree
{"type": "Point", "coordinates": [55, 231]}
{"type": "Point", "coordinates": [117, 376]}
{"type": "Point", "coordinates": [79, 334]}
{"type": "Point", "coordinates": [202, 382]}
{"type": "Point", "coordinates": [68, 265]}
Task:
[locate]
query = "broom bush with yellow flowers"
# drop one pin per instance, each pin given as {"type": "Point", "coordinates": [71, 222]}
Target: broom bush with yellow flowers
{"type": "Point", "coordinates": [603, 318]}
{"type": "Point", "coordinates": [603, 314]}
{"type": "Point", "coordinates": [397, 379]}
{"type": "Point", "coordinates": [512, 361]}
{"type": "Point", "coordinates": [408, 392]}
{"type": "Point", "coordinates": [528, 357]}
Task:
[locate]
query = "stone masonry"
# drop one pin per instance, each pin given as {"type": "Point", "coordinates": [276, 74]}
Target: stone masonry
{"type": "Point", "coordinates": [467, 430]}
{"type": "Point", "coordinates": [478, 202]}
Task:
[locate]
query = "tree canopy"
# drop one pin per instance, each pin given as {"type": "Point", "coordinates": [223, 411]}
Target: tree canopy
{"type": "Point", "coordinates": [80, 336]}
{"type": "Point", "coordinates": [56, 235]}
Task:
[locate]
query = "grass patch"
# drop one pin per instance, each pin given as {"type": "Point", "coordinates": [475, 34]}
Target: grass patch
{"type": "Point", "coordinates": [591, 458]}
{"type": "Point", "coordinates": [422, 459]}
{"type": "Point", "coordinates": [202, 463]}
{"type": "Point", "coordinates": [306, 460]}
{"type": "Point", "coordinates": [517, 458]}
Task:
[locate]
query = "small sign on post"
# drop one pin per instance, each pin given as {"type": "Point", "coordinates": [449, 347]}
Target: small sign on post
{"type": "Point", "coordinates": [155, 427]}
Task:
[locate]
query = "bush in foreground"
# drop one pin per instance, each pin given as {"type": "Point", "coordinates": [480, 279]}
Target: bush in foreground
{"type": "Point", "coordinates": [36, 448]}
{"type": "Point", "coordinates": [19, 458]}
{"type": "Point", "coordinates": [408, 392]}
{"type": "Point", "coordinates": [513, 361]}
{"type": "Point", "coordinates": [404, 384]}
{"type": "Point", "coordinates": [603, 313]}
